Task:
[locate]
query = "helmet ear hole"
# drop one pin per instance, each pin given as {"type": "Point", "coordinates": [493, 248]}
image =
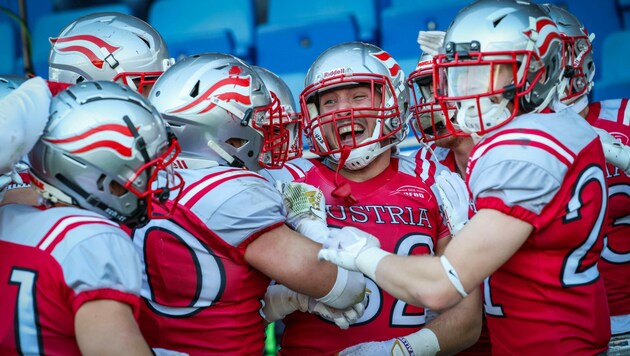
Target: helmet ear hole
{"type": "Point", "coordinates": [99, 182]}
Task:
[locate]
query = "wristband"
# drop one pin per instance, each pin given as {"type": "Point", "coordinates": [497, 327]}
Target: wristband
{"type": "Point", "coordinates": [368, 260]}
{"type": "Point", "coordinates": [453, 277]}
{"type": "Point", "coordinates": [423, 342]}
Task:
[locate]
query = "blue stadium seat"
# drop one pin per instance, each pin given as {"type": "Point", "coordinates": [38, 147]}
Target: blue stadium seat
{"type": "Point", "coordinates": [295, 82]}
{"type": "Point", "coordinates": [201, 26]}
{"type": "Point", "coordinates": [51, 26]}
{"type": "Point", "coordinates": [7, 48]}
{"type": "Point", "coordinates": [294, 47]}
{"type": "Point", "coordinates": [292, 11]}
{"type": "Point", "coordinates": [615, 76]}
{"type": "Point", "coordinates": [400, 24]}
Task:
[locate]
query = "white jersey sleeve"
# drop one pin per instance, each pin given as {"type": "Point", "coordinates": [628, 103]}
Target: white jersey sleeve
{"type": "Point", "coordinates": [236, 204]}
{"type": "Point", "coordinates": [23, 116]}
{"type": "Point", "coordinates": [99, 256]}
{"type": "Point", "coordinates": [525, 163]}
{"type": "Point", "coordinates": [293, 170]}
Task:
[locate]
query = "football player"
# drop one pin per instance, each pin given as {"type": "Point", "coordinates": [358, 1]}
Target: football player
{"type": "Point", "coordinates": [207, 268]}
{"type": "Point", "coordinates": [355, 106]}
{"type": "Point", "coordinates": [537, 179]}
{"type": "Point", "coordinates": [71, 277]}
{"type": "Point", "coordinates": [613, 116]}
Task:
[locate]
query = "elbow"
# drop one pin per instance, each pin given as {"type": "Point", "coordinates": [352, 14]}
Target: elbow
{"type": "Point", "coordinates": [437, 296]}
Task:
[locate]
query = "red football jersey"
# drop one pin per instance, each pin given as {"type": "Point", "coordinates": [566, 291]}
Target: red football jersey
{"type": "Point", "coordinates": [547, 170]}
{"type": "Point", "coordinates": [52, 262]}
{"type": "Point", "coordinates": [403, 213]}
{"type": "Point", "coordinates": [200, 294]}
{"type": "Point", "coordinates": [614, 117]}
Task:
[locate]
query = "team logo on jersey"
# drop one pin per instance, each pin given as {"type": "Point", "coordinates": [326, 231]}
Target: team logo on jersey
{"type": "Point", "coordinates": [92, 47]}
{"type": "Point", "coordinates": [388, 61]}
{"type": "Point", "coordinates": [547, 33]}
{"type": "Point", "coordinates": [234, 88]}
{"type": "Point", "coordinates": [412, 191]}
{"type": "Point", "coordinates": [111, 137]}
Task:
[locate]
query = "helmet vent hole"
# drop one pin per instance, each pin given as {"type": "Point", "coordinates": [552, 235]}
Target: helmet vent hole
{"type": "Point", "coordinates": [145, 41]}
{"type": "Point", "coordinates": [496, 22]}
{"type": "Point", "coordinates": [195, 90]}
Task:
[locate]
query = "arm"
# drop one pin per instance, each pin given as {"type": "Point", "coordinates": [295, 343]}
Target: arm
{"type": "Point", "coordinates": [107, 327]}
{"type": "Point", "coordinates": [291, 259]}
{"type": "Point", "coordinates": [459, 327]}
{"type": "Point", "coordinates": [451, 331]}
{"type": "Point", "coordinates": [475, 254]}
{"type": "Point", "coordinates": [422, 280]}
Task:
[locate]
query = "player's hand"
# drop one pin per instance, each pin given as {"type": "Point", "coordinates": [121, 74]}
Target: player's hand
{"type": "Point", "coordinates": [306, 207]}
{"type": "Point", "coordinates": [11, 177]}
{"type": "Point", "coordinates": [455, 199]}
{"type": "Point", "coordinates": [393, 347]}
{"type": "Point", "coordinates": [342, 318]}
{"type": "Point", "coordinates": [616, 153]}
{"type": "Point", "coordinates": [346, 245]}
{"type": "Point", "coordinates": [431, 41]}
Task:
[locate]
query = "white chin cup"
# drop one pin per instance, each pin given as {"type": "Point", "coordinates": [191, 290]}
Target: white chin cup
{"type": "Point", "coordinates": [492, 114]}
{"type": "Point", "coordinates": [359, 157]}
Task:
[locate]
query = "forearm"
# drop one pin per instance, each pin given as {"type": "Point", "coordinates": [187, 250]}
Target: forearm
{"type": "Point", "coordinates": [418, 280]}
{"type": "Point", "coordinates": [107, 327]}
{"type": "Point", "coordinates": [301, 271]}
{"type": "Point", "coordinates": [459, 327]}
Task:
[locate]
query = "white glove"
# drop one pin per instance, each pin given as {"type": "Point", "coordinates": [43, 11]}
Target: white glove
{"type": "Point", "coordinates": [431, 41]}
{"type": "Point", "coordinates": [11, 177]}
{"type": "Point", "coordinates": [423, 342]}
{"type": "Point", "coordinates": [164, 352]}
{"type": "Point", "coordinates": [354, 250]}
{"type": "Point", "coordinates": [455, 199]}
{"type": "Point", "coordinates": [306, 207]}
{"type": "Point", "coordinates": [280, 301]}
{"type": "Point", "coordinates": [342, 318]}
{"type": "Point", "coordinates": [616, 153]}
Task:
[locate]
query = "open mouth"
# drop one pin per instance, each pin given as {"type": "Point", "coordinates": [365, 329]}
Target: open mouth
{"type": "Point", "coordinates": [347, 132]}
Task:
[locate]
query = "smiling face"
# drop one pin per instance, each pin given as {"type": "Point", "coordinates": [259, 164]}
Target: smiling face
{"type": "Point", "coordinates": [350, 120]}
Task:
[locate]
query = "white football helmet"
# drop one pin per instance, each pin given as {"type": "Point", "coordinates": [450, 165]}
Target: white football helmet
{"type": "Point", "coordinates": [290, 116]}
{"type": "Point", "coordinates": [498, 52]}
{"type": "Point", "coordinates": [428, 117]}
{"type": "Point", "coordinates": [578, 63]}
{"type": "Point", "coordinates": [221, 110]}
{"type": "Point", "coordinates": [346, 65]}
{"type": "Point", "coordinates": [109, 46]}
{"type": "Point", "coordinates": [103, 149]}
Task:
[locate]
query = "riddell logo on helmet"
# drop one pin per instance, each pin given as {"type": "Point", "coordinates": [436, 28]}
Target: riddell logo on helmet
{"type": "Point", "coordinates": [338, 71]}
